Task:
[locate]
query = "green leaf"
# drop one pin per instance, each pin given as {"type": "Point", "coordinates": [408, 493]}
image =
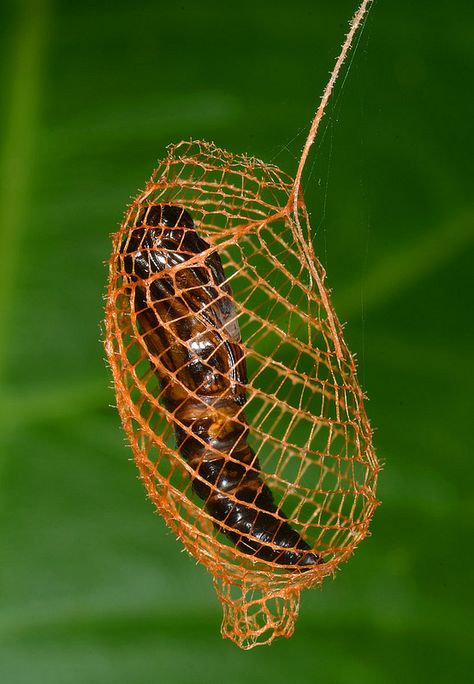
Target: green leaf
{"type": "Point", "coordinates": [94, 588]}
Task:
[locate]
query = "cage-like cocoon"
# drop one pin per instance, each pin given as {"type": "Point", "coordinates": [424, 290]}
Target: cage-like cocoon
{"type": "Point", "coordinates": [304, 406]}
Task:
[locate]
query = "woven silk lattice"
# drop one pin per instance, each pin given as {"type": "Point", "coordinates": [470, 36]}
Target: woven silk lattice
{"type": "Point", "coordinates": [235, 387]}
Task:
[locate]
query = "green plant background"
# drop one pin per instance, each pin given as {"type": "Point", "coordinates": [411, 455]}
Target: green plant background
{"type": "Point", "coordinates": [94, 589]}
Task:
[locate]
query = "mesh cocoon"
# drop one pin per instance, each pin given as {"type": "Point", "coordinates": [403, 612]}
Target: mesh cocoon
{"type": "Point", "coordinates": [304, 411]}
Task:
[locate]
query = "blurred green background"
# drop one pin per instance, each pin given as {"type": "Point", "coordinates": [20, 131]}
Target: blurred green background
{"type": "Point", "coordinates": [94, 589]}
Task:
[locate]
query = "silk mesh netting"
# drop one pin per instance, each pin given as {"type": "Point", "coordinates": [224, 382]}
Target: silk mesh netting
{"type": "Point", "coordinates": [234, 385]}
